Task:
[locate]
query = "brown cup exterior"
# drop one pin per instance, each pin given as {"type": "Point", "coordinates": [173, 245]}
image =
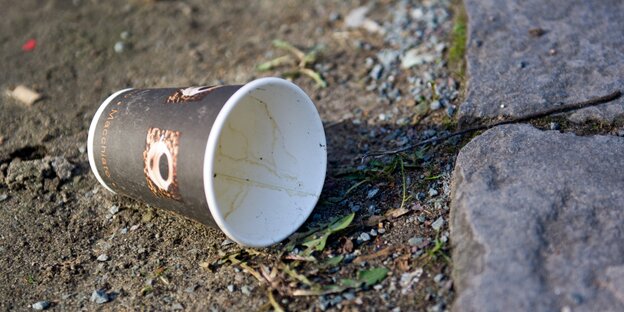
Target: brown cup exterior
{"type": "Point", "coordinates": [149, 144]}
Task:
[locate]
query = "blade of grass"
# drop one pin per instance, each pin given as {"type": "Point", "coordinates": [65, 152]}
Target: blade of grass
{"type": "Point", "coordinates": [315, 76]}
{"type": "Point", "coordinates": [273, 302]}
{"type": "Point", "coordinates": [281, 44]}
{"type": "Point", "coordinates": [276, 62]}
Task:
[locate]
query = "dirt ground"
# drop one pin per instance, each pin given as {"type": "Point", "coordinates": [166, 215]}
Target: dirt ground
{"type": "Point", "coordinates": [56, 221]}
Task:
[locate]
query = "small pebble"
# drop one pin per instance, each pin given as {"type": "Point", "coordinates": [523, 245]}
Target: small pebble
{"type": "Point", "coordinates": [3, 197]}
{"type": "Point", "coordinates": [376, 72]}
{"type": "Point", "coordinates": [421, 196]}
{"type": "Point", "coordinates": [230, 288]}
{"type": "Point", "coordinates": [99, 297]}
{"type": "Point", "coordinates": [102, 258]}
{"type": "Point", "coordinates": [119, 47]}
{"type": "Point", "coordinates": [415, 241]}
{"type": "Point", "coordinates": [177, 306]}
{"type": "Point", "coordinates": [190, 289]}
{"type": "Point", "coordinates": [364, 237]}
{"type": "Point", "coordinates": [432, 192]}
{"type": "Point", "coordinates": [41, 305]}
{"type": "Point", "coordinates": [246, 290]}
{"type": "Point", "coordinates": [372, 193]}
{"type": "Point", "coordinates": [438, 278]}
{"type": "Point", "coordinates": [554, 126]}
{"type": "Point", "coordinates": [348, 296]}
{"type": "Point", "coordinates": [378, 287]}
{"type": "Point", "coordinates": [373, 232]}
{"type": "Point", "coordinates": [114, 209]}
{"type": "Point", "coordinates": [435, 105]}
{"type": "Point", "coordinates": [227, 242]}
{"type": "Point", "coordinates": [450, 111]}
{"type": "Point", "coordinates": [124, 35]}
{"type": "Point", "coordinates": [437, 224]}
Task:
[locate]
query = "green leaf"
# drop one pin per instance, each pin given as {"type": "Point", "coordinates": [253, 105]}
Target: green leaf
{"type": "Point", "coordinates": [332, 262]}
{"type": "Point", "coordinates": [318, 240]}
{"type": "Point", "coordinates": [372, 276]}
{"type": "Point", "coordinates": [351, 283]}
{"type": "Point", "coordinates": [342, 223]}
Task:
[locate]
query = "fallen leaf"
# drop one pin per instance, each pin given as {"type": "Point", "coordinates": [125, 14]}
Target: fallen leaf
{"type": "Point", "coordinates": [395, 213]}
{"type": "Point", "coordinates": [317, 241]}
{"type": "Point", "coordinates": [380, 254]}
{"type": "Point", "coordinates": [347, 247]}
{"type": "Point", "coordinates": [332, 262]}
{"type": "Point", "coordinates": [372, 276]}
{"type": "Point", "coordinates": [374, 220]}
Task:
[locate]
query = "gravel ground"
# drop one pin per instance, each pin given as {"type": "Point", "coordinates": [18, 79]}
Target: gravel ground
{"type": "Point", "coordinates": [68, 244]}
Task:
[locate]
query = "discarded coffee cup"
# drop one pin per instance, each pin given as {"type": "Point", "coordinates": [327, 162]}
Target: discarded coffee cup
{"type": "Point", "coordinates": [250, 159]}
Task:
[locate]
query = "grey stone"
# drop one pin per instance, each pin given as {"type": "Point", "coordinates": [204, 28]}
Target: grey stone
{"type": "Point", "coordinates": [586, 37]}
{"type": "Point", "coordinates": [415, 57]}
{"type": "Point", "coordinates": [62, 167]}
{"type": "Point", "coordinates": [41, 305]}
{"type": "Point", "coordinates": [376, 72]}
{"type": "Point", "coordinates": [433, 192]}
{"type": "Point", "coordinates": [246, 290]}
{"type": "Point", "coordinates": [435, 105]}
{"type": "Point", "coordinates": [102, 258]}
{"type": "Point", "coordinates": [113, 209]}
{"type": "Point", "coordinates": [415, 241]}
{"type": "Point", "coordinates": [372, 193]}
{"type": "Point", "coordinates": [537, 221]}
{"type": "Point", "coordinates": [356, 17]}
{"type": "Point", "coordinates": [99, 297]}
{"type": "Point", "coordinates": [364, 237]}
{"type": "Point", "coordinates": [119, 47]}
{"type": "Point", "coordinates": [387, 57]}
{"type": "Point", "coordinates": [437, 224]}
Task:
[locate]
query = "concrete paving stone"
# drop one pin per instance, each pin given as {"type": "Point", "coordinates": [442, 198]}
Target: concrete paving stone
{"type": "Point", "coordinates": [527, 55]}
{"type": "Point", "coordinates": [537, 222]}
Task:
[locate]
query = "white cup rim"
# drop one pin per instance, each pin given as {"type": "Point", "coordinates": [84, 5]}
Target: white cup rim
{"type": "Point", "coordinates": [209, 160]}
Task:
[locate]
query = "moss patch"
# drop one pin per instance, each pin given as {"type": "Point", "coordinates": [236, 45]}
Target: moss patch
{"type": "Point", "coordinates": [457, 49]}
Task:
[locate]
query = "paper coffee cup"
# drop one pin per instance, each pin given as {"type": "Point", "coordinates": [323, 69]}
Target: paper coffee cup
{"type": "Point", "coordinates": [249, 160]}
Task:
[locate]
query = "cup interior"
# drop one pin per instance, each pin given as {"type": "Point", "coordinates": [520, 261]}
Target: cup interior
{"type": "Point", "coordinates": [265, 162]}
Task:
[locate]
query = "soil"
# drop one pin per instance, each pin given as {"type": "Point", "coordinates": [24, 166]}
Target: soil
{"type": "Point", "coordinates": [56, 220]}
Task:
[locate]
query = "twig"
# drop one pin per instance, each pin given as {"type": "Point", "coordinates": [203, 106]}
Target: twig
{"type": "Point", "coordinates": [276, 306]}
{"type": "Point", "coordinates": [556, 110]}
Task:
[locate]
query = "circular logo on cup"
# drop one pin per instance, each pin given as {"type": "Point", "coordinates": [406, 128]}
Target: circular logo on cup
{"type": "Point", "coordinates": [160, 162]}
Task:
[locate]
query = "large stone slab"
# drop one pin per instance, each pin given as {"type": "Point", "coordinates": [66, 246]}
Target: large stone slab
{"type": "Point", "coordinates": [513, 70]}
{"type": "Point", "coordinates": [537, 222]}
